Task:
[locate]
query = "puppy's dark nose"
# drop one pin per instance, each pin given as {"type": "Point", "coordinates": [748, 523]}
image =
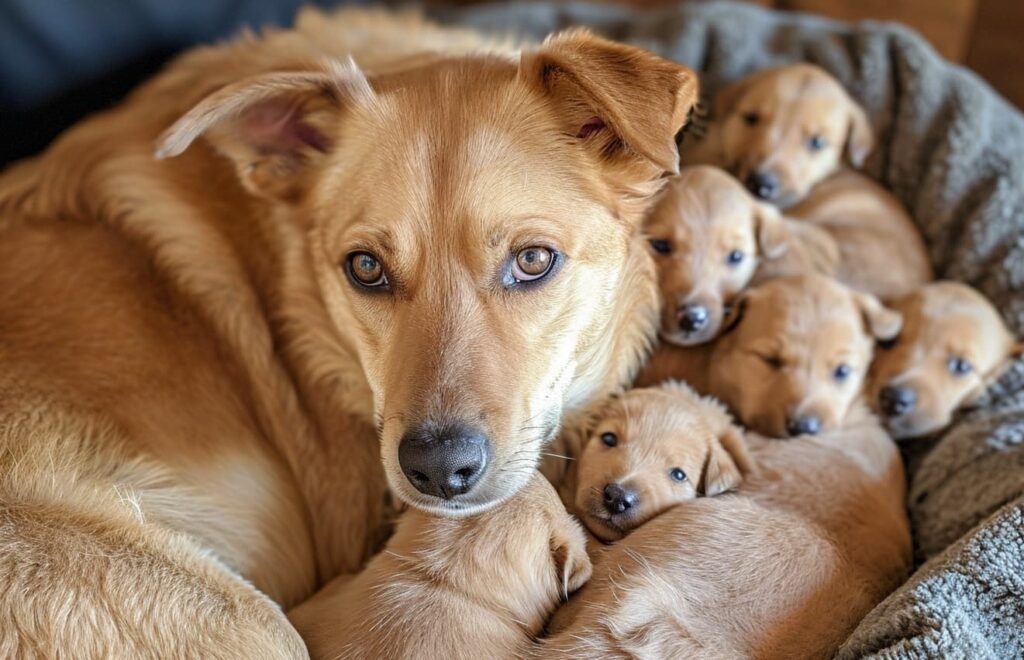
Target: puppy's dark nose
{"type": "Point", "coordinates": [896, 401]}
{"type": "Point", "coordinates": [809, 425]}
{"type": "Point", "coordinates": [443, 460]}
{"type": "Point", "coordinates": [763, 184]}
{"type": "Point", "coordinates": [618, 499]}
{"type": "Point", "coordinates": [692, 318]}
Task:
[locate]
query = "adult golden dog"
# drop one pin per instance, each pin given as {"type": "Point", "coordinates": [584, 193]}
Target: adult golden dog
{"type": "Point", "coordinates": [199, 352]}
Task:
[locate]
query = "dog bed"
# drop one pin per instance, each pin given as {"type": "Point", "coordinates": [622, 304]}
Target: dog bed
{"type": "Point", "coordinates": [953, 151]}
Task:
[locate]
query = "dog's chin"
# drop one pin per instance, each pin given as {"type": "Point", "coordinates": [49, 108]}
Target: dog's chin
{"type": "Point", "coordinates": [685, 340]}
{"type": "Point", "coordinates": [604, 529]}
{"type": "Point", "coordinates": [496, 490]}
{"type": "Point", "coordinates": [908, 428]}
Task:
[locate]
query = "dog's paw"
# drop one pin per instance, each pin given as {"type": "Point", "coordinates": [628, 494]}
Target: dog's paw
{"type": "Point", "coordinates": [569, 551]}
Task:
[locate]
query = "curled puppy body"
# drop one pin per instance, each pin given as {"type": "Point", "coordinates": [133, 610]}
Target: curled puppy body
{"type": "Point", "coordinates": [710, 238]}
{"type": "Point", "coordinates": [953, 345]}
{"type": "Point", "coordinates": [784, 568]}
{"type": "Point", "coordinates": [783, 132]}
{"type": "Point", "coordinates": [651, 449]}
{"type": "Point", "coordinates": [880, 249]}
{"type": "Point", "coordinates": [452, 587]}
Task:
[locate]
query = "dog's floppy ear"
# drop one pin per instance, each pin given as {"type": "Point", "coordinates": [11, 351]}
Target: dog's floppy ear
{"type": "Point", "coordinates": [883, 323]}
{"type": "Point", "coordinates": [773, 236]}
{"type": "Point", "coordinates": [860, 137]}
{"type": "Point", "coordinates": [621, 101]}
{"type": "Point", "coordinates": [727, 463]}
{"type": "Point", "coordinates": [272, 126]}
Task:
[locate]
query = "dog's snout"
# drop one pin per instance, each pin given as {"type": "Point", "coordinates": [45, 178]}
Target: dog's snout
{"type": "Point", "coordinates": [764, 185]}
{"type": "Point", "coordinates": [806, 425]}
{"type": "Point", "coordinates": [444, 461]}
{"type": "Point", "coordinates": [896, 401]}
{"type": "Point", "coordinates": [618, 499]}
{"type": "Point", "coordinates": [693, 318]}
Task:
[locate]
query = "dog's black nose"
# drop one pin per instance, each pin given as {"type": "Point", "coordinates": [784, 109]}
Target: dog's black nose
{"type": "Point", "coordinates": [809, 425]}
{"type": "Point", "coordinates": [692, 318]}
{"type": "Point", "coordinates": [618, 499]}
{"type": "Point", "coordinates": [763, 184]}
{"type": "Point", "coordinates": [443, 460]}
{"type": "Point", "coordinates": [896, 401]}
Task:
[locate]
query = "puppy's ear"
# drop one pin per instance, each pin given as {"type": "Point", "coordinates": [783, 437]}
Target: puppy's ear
{"type": "Point", "coordinates": [881, 322]}
{"type": "Point", "coordinates": [726, 98]}
{"type": "Point", "coordinates": [621, 102]}
{"type": "Point", "coordinates": [727, 463]}
{"type": "Point", "coordinates": [569, 551]}
{"type": "Point", "coordinates": [773, 236]}
{"type": "Point", "coordinates": [274, 127]}
{"type": "Point", "coordinates": [860, 137]}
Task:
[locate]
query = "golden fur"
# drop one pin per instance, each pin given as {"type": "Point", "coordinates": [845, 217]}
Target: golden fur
{"type": "Point", "coordinates": [655, 431]}
{"type": "Point", "coordinates": [785, 567]}
{"type": "Point", "coordinates": [942, 322]}
{"type": "Point", "coordinates": [700, 219]}
{"type": "Point", "coordinates": [777, 360]}
{"type": "Point", "coordinates": [766, 125]}
{"type": "Point", "coordinates": [454, 588]}
{"type": "Point", "coordinates": [187, 323]}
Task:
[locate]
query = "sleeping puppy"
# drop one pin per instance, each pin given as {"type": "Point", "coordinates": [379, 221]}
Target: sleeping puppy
{"type": "Point", "coordinates": [786, 567]}
{"type": "Point", "coordinates": [652, 449]}
{"type": "Point", "coordinates": [793, 356]}
{"type": "Point", "coordinates": [710, 238]}
{"type": "Point", "coordinates": [454, 587]}
{"type": "Point", "coordinates": [783, 132]}
{"type": "Point", "coordinates": [953, 345]}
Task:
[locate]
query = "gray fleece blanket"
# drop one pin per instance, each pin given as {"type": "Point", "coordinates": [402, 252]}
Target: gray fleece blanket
{"type": "Point", "coordinates": [953, 151]}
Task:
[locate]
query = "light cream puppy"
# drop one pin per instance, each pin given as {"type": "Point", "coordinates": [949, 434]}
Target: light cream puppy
{"type": "Point", "coordinates": [710, 239]}
{"type": "Point", "coordinates": [651, 449]}
{"type": "Point", "coordinates": [953, 345]}
{"type": "Point", "coordinates": [454, 588]}
{"type": "Point", "coordinates": [785, 567]}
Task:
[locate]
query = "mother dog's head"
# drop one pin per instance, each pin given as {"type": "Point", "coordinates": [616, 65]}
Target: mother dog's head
{"type": "Point", "coordinates": [472, 229]}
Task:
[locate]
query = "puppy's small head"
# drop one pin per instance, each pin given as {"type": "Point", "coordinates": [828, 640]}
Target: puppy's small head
{"type": "Point", "coordinates": [471, 228]}
{"type": "Point", "coordinates": [786, 129]}
{"type": "Point", "coordinates": [797, 352]}
{"type": "Point", "coordinates": [652, 449]}
{"type": "Point", "coordinates": [707, 235]}
{"type": "Point", "coordinates": [952, 346]}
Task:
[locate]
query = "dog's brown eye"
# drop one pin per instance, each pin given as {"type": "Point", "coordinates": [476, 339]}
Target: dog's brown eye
{"type": "Point", "coordinates": [366, 270]}
{"type": "Point", "coordinates": [661, 246]}
{"type": "Point", "coordinates": [677, 474]}
{"type": "Point", "coordinates": [532, 263]}
{"type": "Point", "coordinates": [751, 118]}
{"type": "Point", "coordinates": [958, 366]}
{"type": "Point", "coordinates": [773, 361]}
{"type": "Point", "coordinates": [609, 439]}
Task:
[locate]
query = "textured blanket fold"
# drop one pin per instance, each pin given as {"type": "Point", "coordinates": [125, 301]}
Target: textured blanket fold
{"type": "Point", "coordinates": [953, 151]}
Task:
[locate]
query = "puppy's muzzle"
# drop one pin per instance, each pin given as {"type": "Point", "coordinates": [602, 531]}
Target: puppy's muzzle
{"type": "Point", "coordinates": [805, 425]}
{"type": "Point", "coordinates": [693, 318]}
{"type": "Point", "coordinates": [444, 460]}
{"type": "Point", "coordinates": [896, 401]}
{"type": "Point", "coordinates": [618, 499]}
{"type": "Point", "coordinates": [763, 185]}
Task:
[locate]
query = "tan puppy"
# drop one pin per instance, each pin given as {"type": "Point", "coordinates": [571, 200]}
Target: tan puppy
{"type": "Point", "coordinates": [953, 345]}
{"type": "Point", "coordinates": [793, 358]}
{"type": "Point", "coordinates": [783, 132]}
{"type": "Point", "coordinates": [454, 588]}
{"type": "Point", "coordinates": [710, 238]}
{"type": "Point", "coordinates": [784, 568]}
{"type": "Point", "coordinates": [335, 280]}
{"type": "Point", "coordinates": [652, 449]}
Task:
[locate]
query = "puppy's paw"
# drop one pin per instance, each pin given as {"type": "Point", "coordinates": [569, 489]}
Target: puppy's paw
{"type": "Point", "coordinates": [569, 551]}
